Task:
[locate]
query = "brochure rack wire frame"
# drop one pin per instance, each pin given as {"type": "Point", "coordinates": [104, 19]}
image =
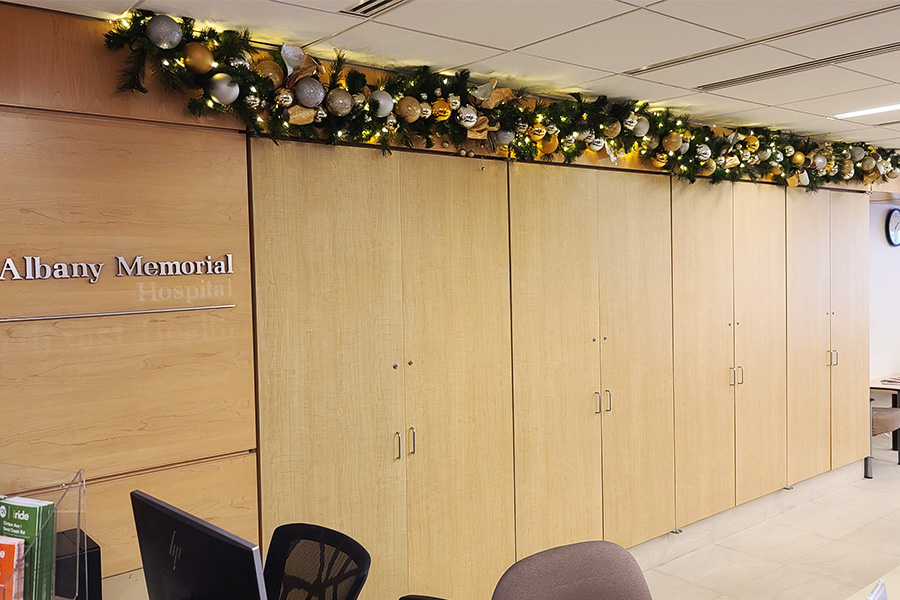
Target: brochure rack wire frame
{"type": "Point", "coordinates": [66, 489]}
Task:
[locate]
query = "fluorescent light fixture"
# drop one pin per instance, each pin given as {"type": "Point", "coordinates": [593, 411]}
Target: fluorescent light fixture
{"type": "Point", "coordinates": [868, 111]}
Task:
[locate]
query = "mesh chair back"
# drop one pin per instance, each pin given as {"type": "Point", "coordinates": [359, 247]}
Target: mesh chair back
{"type": "Point", "coordinates": [585, 571]}
{"type": "Point", "coordinates": [309, 562]}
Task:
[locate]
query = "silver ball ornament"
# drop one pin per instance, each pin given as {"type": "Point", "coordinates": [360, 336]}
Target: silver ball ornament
{"type": "Point", "coordinates": [309, 92]}
{"type": "Point", "coordinates": [521, 128]}
{"type": "Point", "coordinates": [467, 116]}
{"type": "Point", "coordinates": [222, 89]}
{"type": "Point", "coordinates": [438, 92]}
{"type": "Point", "coordinates": [893, 173]}
{"type": "Point", "coordinates": [857, 153]}
{"type": "Point", "coordinates": [252, 101]}
{"type": "Point", "coordinates": [819, 161]}
{"type": "Point", "coordinates": [778, 156]}
{"type": "Point", "coordinates": [867, 164]}
{"type": "Point", "coordinates": [745, 156]}
{"type": "Point", "coordinates": [283, 97]}
{"type": "Point", "coordinates": [391, 122]}
{"type": "Point", "coordinates": [569, 140]}
{"type": "Point", "coordinates": [240, 62]}
{"type": "Point", "coordinates": [381, 103]}
{"type": "Point", "coordinates": [454, 101]}
{"type": "Point", "coordinates": [339, 102]}
{"type": "Point", "coordinates": [630, 121]}
{"type": "Point", "coordinates": [849, 174]}
{"type": "Point", "coordinates": [426, 109]}
{"type": "Point", "coordinates": [703, 152]}
{"type": "Point", "coordinates": [764, 154]}
{"type": "Point", "coordinates": [321, 115]}
{"type": "Point", "coordinates": [590, 137]}
{"type": "Point", "coordinates": [685, 146]}
{"type": "Point", "coordinates": [504, 137]}
{"type": "Point", "coordinates": [552, 129]}
{"type": "Point", "coordinates": [423, 96]}
{"type": "Point", "coordinates": [164, 32]}
{"type": "Point", "coordinates": [789, 151]}
{"type": "Point", "coordinates": [359, 99]}
{"type": "Point", "coordinates": [641, 127]}
{"type": "Point", "coordinates": [597, 144]}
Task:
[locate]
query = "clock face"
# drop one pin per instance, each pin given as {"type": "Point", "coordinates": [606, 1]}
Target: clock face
{"type": "Point", "coordinates": [893, 227]}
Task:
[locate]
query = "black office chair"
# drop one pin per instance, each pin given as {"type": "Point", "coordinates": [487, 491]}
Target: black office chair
{"type": "Point", "coordinates": [310, 562]}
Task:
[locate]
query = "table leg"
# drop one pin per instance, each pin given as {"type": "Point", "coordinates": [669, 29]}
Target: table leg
{"type": "Point", "coordinates": [895, 436]}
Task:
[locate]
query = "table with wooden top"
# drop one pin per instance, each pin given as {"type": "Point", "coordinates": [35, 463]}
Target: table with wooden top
{"type": "Point", "coordinates": [889, 384]}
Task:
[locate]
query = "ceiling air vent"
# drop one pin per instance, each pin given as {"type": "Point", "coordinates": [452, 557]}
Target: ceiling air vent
{"type": "Point", "coordinates": [371, 8]}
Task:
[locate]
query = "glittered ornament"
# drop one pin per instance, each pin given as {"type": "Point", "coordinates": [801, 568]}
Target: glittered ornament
{"type": "Point", "coordinates": [521, 128]}
{"type": "Point", "coordinates": [672, 141]}
{"type": "Point", "coordinates": [650, 142]}
{"type": "Point", "coordinates": [425, 109]}
{"type": "Point", "coordinates": [283, 97]}
{"type": "Point", "coordinates": [612, 129]}
{"type": "Point", "coordinates": [467, 117]}
{"type": "Point", "coordinates": [272, 70]}
{"type": "Point", "coordinates": [857, 153]}
{"type": "Point", "coordinates": [359, 99]}
{"type": "Point", "coordinates": [163, 31]}
{"type": "Point", "coordinates": [252, 101]}
{"type": "Point", "coordinates": [789, 151]}
{"type": "Point", "coordinates": [707, 167]}
{"type": "Point", "coordinates": [752, 143]}
{"type": "Point", "coordinates": [641, 127]}
{"type": "Point", "coordinates": [597, 144]}
{"type": "Point", "coordinates": [440, 110]}
{"type": "Point", "coordinates": [339, 102]}
{"type": "Point", "coordinates": [703, 152]}
{"type": "Point", "coordinates": [222, 89]}
{"type": "Point", "coordinates": [659, 160]}
{"type": "Point", "coordinates": [820, 161]}
{"type": "Point", "coordinates": [309, 92]}
{"type": "Point", "coordinates": [846, 166]}
{"type": "Point", "coordinates": [409, 109]}
{"type": "Point", "coordinates": [764, 154]}
{"type": "Point", "coordinates": [630, 121]}
{"type": "Point", "coordinates": [537, 132]}
{"type": "Point", "coordinates": [321, 115]}
{"type": "Point", "coordinates": [454, 101]}
{"type": "Point", "coordinates": [381, 103]}
{"type": "Point", "coordinates": [548, 145]}
{"type": "Point", "coordinates": [778, 156]}
{"type": "Point", "coordinates": [240, 62]}
{"type": "Point", "coordinates": [504, 137]}
{"type": "Point", "coordinates": [776, 169]}
{"type": "Point", "coordinates": [391, 122]}
{"type": "Point", "coordinates": [797, 157]}
{"type": "Point", "coordinates": [867, 164]}
{"type": "Point", "coordinates": [198, 58]}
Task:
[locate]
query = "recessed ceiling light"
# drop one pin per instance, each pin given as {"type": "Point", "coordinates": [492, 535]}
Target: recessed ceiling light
{"type": "Point", "coordinates": [868, 111]}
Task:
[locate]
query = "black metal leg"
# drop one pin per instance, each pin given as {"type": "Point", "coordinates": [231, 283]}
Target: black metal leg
{"type": "Point", "coordinates": [895, 436]}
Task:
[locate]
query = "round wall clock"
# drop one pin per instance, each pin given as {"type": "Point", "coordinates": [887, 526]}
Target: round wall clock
{"type": "Point", "coordinates": [892, 227]}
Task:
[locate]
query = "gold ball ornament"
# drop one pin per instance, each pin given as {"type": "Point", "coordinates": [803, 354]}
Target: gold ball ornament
{"type": "Point", "coordinates": [776, 169]}
{"type": "Point", "coordinates": [198, 58]}
{"type": "Point", "coordinates": [272, 70]}
{"type": "Point", "coordinates": [549, 145]}
{"type": "Point", "coordinates": [440, 110]}
{"type": "Point", "coordinates": [409, 109]}
{"type": "Point", "coordinates": [846, 166]}
{"type": "Point", "coordinates": [798, 157]}
{"type": "Point", "coordinates": [672, 141]}
{"type": "Point", "coordinates": [752, 143]}
{"type": "Point", "coordinates": [537, 132]}
{"type": "Point", "coordinates": [612, 129]}
{"type": "Point", "coordinates": [707, 167]}
{"type": "Point", "coordinates": [659, 160]}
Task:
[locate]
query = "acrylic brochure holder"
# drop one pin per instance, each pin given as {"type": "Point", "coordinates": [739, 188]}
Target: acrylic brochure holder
{"type": "Point", "coordinates": [64, 519]}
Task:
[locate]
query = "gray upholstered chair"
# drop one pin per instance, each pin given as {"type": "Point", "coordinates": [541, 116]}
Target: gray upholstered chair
{"type": "Point", "coordinates": [585, 571]}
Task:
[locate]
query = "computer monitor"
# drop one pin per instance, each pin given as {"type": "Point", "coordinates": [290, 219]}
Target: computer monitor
{"type": "Point", "coordinates": [186, 558]}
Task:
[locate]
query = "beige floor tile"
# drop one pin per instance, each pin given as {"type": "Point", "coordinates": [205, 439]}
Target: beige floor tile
{"type": "Point", "coordinates": [666, 587]}
{"type": "Point", "coordinates": [866, 501]}
{"type": "Point", "coordinates": [789, 583]}
{"type": "Point", "coordinates": [882, 535]}
{"type": "Point", "coordinates": [775, 542]}
{"type": "Point", "coordinates": [849, 563]}
{"type": "Point", "coordinates": [718, 568]}
{"type": "Point", "coordinates": [823, 520]}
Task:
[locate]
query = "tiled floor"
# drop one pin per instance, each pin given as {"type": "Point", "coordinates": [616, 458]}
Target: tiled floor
{"type": "Point", "coordinates": [825, 549]}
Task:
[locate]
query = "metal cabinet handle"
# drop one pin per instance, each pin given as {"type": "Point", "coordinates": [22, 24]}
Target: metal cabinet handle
{"type": "Point", "coordinates": [399, 445]}
{"type": "Point", "coordinates": [741, 371]}
{"type": "Point", "coordinates": [837, 358]}
{"type": "Point", "coordinates": [599, 403]}
{"type": "Point", "coordinates": [412, 443]}
{"type": "Point", "coordinates": [830, 359]}
{"type": "Point", "coordinates": [609, 406]}
{"type": "Point", "coordinates": [732, 376]}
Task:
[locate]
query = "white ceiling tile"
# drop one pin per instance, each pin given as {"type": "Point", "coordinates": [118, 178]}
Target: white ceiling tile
{"type": "Point", "coordinates": [737, 63]}
{"type": "Point", "coordinates": [847, 37]}
{"type": "Point", "coordinates": [268, 21]}
{"type": "Point", "coordinates": [816, 83]}
{"type": "Point", "coordinates": [539, 75]}
{"type": "Point", "coordinates": [326, 5]}
{"type": "Point", "coordinates": [760, 17]}
{"type": "Point", "coordinates": [102, 9]}
{"type": "Point", "coordinates": [770, 116]}
{"type": "Point", "coordinates": [387, 46]}
{"type": "Point", "coordinates": [883, 65]}
{"type": "Point", "coordinates": [496, 23]}
{"type": "Point", "coordinates": [630, 41]}
{"type": "Point", "coordinates": [850, 101]}
{"type": "Point", "coordinates": [623, 87]}
{"type": "Point", "coordinates": [869, 134]}
{"type": "Point", "coordinates": [706, 108]}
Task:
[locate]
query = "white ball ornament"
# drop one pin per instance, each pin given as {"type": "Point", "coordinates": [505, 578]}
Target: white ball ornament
{"type": "Point", "coordinates": [789, 151]}
{"type": "Point", "coordinates": [641, 127]}
{"type": "Point", "coordinates": [309, 92]}
{"type": "Point", "coordinates": [222, 89]}
{"type": "Point", "coordinates": [454, 101]}
{"type": "Point", "coordinates": [630, 121]}
{"type": "Point", "coordinates": [764, 154]}
{"type": "Point", "coordinates": [381, 103]}
{"type": "Point", "coordinates": [467, 116]}
{"type": "Point", "coordinates": [857, 153]}
{"type": "Point", "coordinates": [164, 32]}
{"type": "Point", "coordinates": [597, 144]}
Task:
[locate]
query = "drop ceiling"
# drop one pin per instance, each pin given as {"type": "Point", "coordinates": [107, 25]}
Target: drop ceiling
{"type": "Point", "coordinates": [790, 64]}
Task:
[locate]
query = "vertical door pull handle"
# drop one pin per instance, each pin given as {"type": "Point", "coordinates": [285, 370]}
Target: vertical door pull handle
{"type": "Point", "coordinates": [609, 405]}
{"type": "Point", "coordinates": [741, 373]}
{"type": "Point", "coordinates": [732, 376]}
{"type": "Point", "coordinates": [412, 440]}
{"type": "Point", "coordinates": [599, 403]}
{"type": "Point", "coordinates": [830, 358]}
{"type": "Point", "coordinates": [399, 445]}
{"type": "Point", "coordinates": [837, 358]}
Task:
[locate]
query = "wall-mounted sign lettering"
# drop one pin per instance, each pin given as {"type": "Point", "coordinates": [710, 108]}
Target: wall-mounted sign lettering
{"type": "Point", "coordinates": [34, 268]}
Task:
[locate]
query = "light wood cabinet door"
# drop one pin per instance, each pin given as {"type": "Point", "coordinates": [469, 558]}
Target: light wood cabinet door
{"type": "Point", "coordinates": [808, 334]}
{"type": "Point", "coordinates": [702, 266]}
{"type": "Point", "coordinates": [329, 331]}
{"type": "Point", "coordinates": [760, 328]}
{"type": "Point", "coordinates": [850, 432]}
{"type": "Point", "coordinates": [459, 383]}
{"type": "Point", "coordinates": [556, 355]}
{"type": "Point", "coordinates": [636, 357]}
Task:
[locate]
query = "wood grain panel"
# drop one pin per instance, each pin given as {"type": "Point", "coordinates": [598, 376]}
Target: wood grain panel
{"type": "Point", "coordinates": [58, 61]}
{"type": "Point", "coordinates": [459, 385]}
{"type": "Point", "coordinates": [222, 492]}
{"type": "Point", "coordinates": [703, 274]}
{"type": "Point", "coordinates": [760, 344]}
{"type": "Point", "coordinates": [636, 357]}
{"type": "Point", "coordinates": [808, 334]}
{"type": "Point", "coordinates": [850, 432]}
{"type": "Point", "coordinates": [554, 237]}
{"type": "Point", "coordinates": [329, 310]}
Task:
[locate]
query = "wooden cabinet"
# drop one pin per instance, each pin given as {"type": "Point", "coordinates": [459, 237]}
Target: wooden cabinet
{"type": "Point", "coordinates": [578, 238]}
{"type": "Point", "coordinates": [828, 348]}
{"type": "Point", "coordinates": [384, 366]}
{"type": "Point", "coordinates": [729, 306]}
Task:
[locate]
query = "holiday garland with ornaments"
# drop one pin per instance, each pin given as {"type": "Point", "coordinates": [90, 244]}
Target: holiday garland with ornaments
{"type": "Point", "coordinates": [287, 94]}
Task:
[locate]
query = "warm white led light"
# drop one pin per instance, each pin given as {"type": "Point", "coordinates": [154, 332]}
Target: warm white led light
{"type": "Point", "coordinates": [868, 111]}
